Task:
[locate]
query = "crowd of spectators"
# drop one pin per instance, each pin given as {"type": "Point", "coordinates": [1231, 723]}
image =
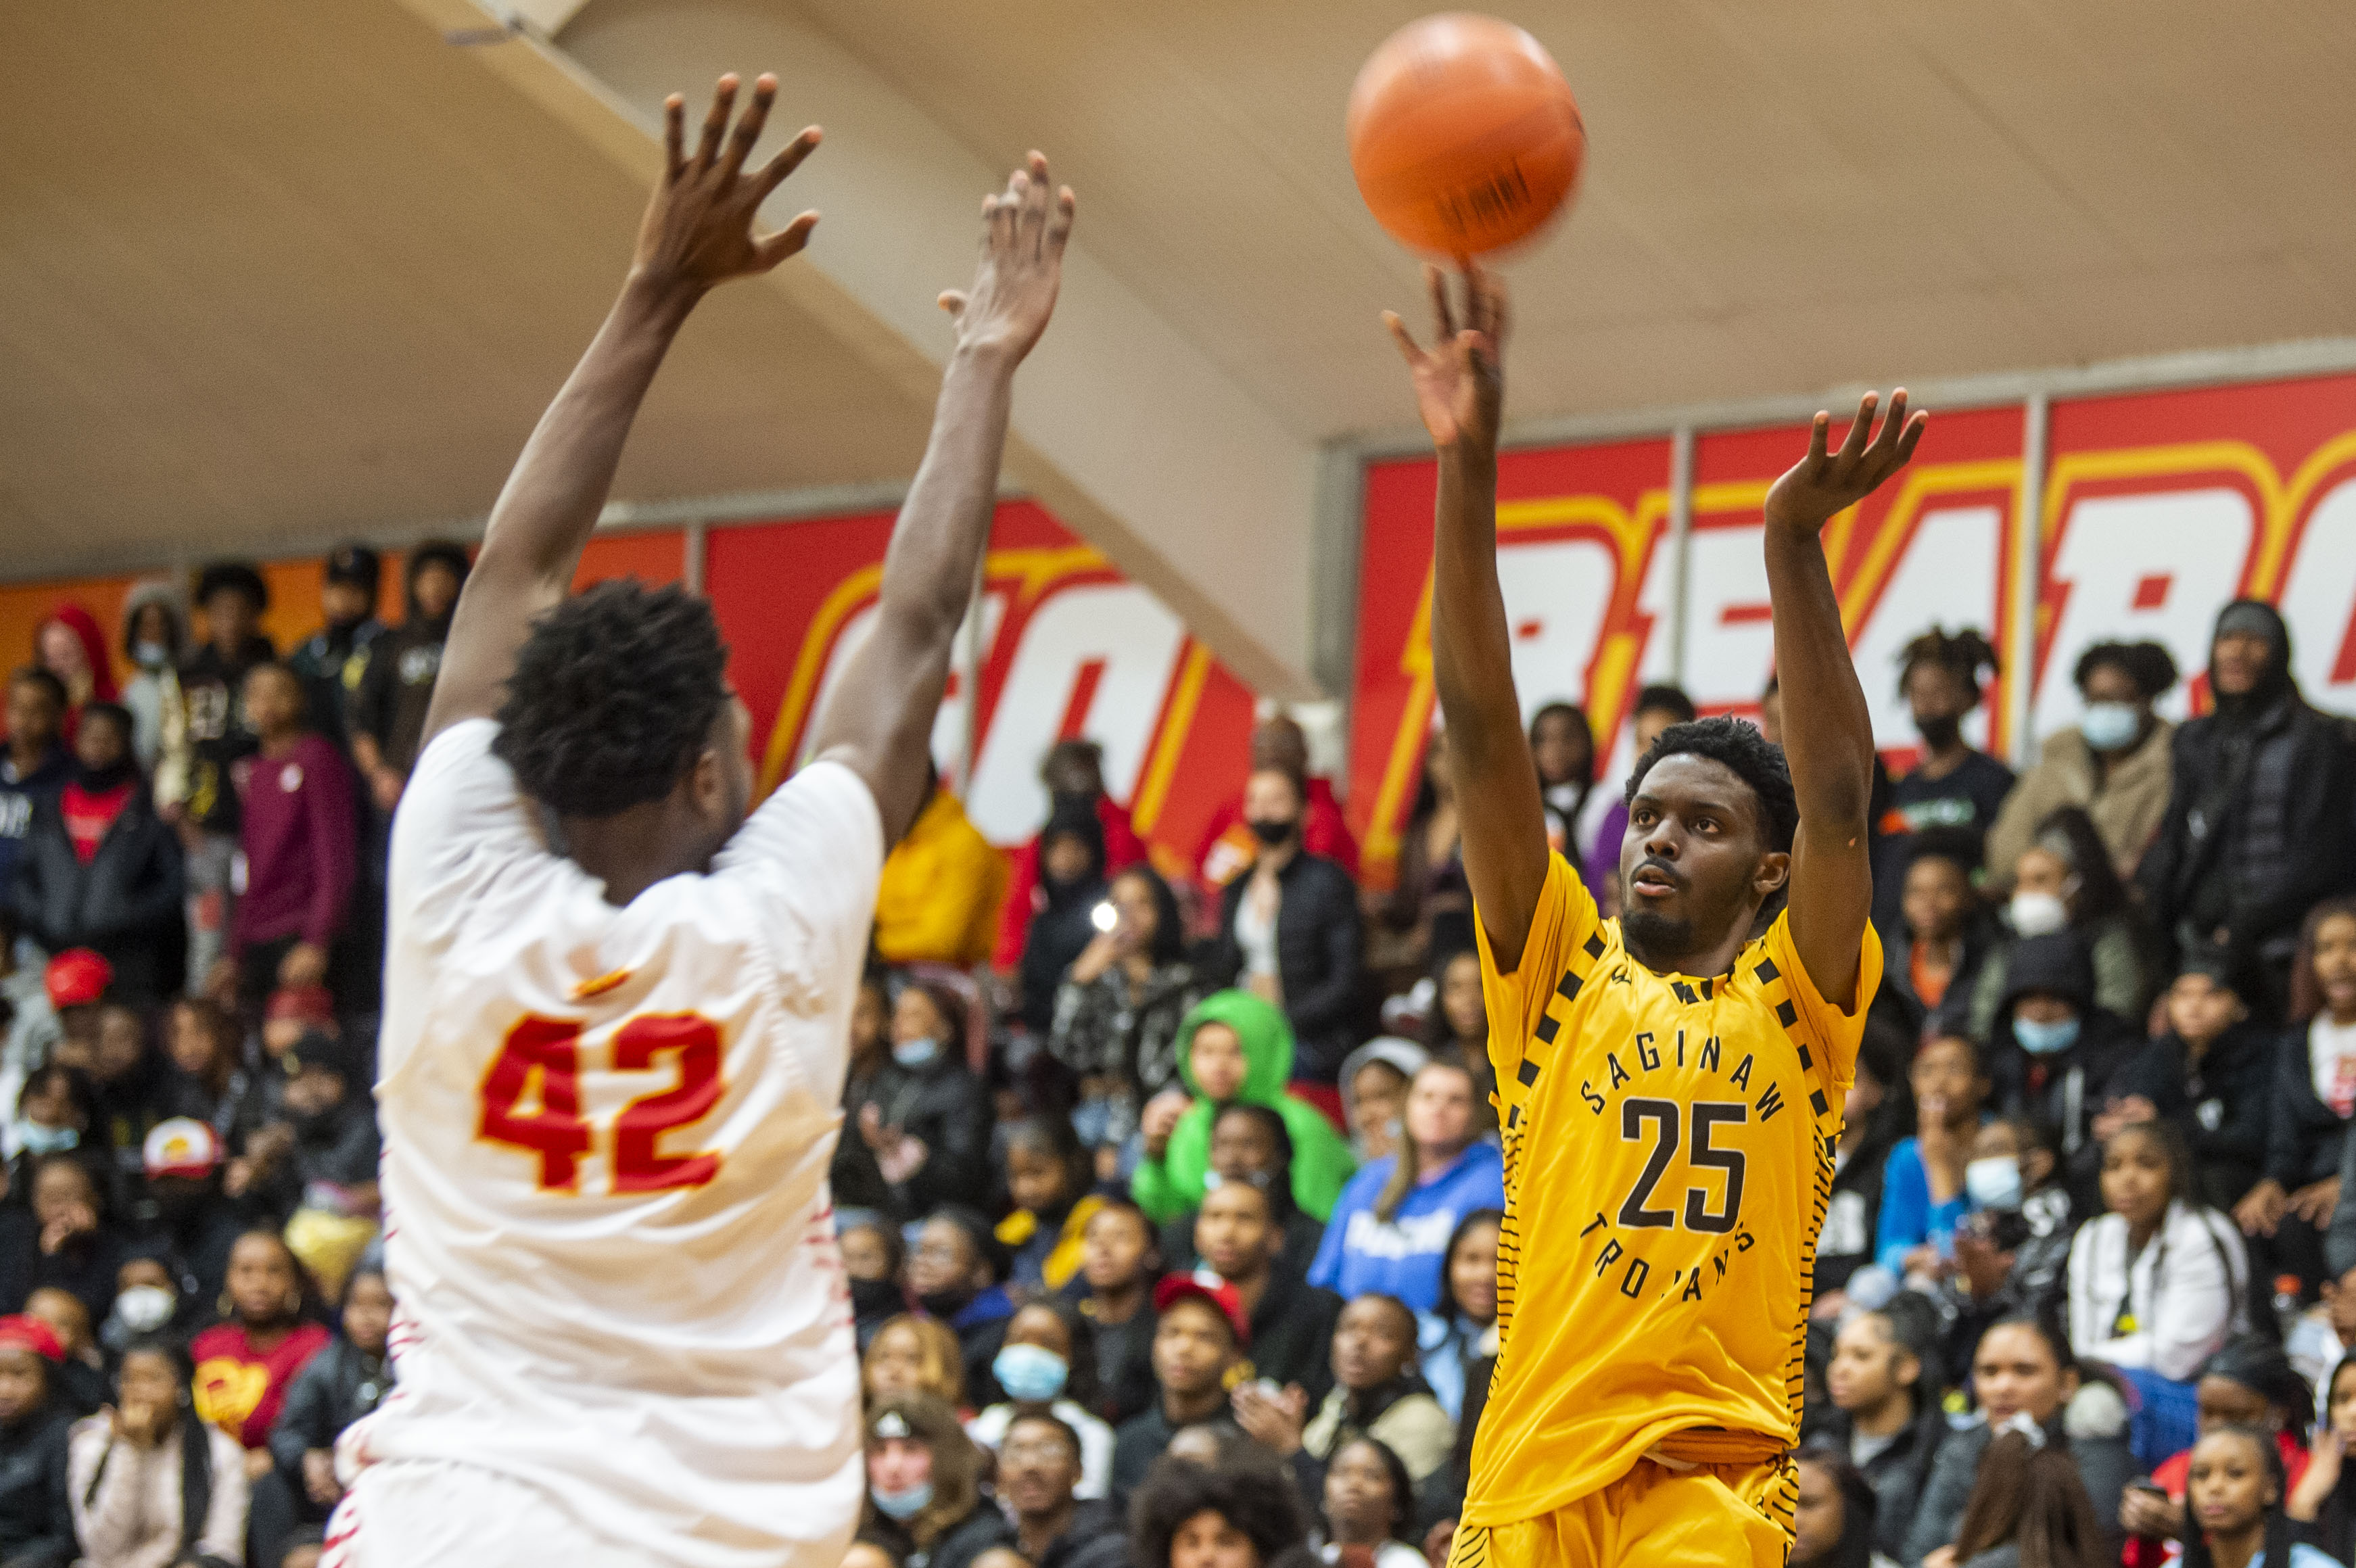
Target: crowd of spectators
{"type": "Point", "coordinates": [1169, 1189]}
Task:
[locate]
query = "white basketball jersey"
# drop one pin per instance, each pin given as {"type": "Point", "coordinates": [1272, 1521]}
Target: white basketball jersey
{"type": "Point", "coordinates": [606, 1136]}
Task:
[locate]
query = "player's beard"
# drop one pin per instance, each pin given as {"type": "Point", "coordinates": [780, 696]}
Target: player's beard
{"type": "Point", "coordinates": [1653, 937]}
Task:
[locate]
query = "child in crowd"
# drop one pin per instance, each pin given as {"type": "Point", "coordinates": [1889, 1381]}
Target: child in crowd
{"type": "Point", "coordinates": [73, 1245]}
{"type": "Point", "coordinates": [148, 1482]}
{"type": "Point", "coordinates": [2029, 1499]}
{"type": "Point", "coordinates": [873, 1254]}
{"type": "Point", "coordinates": [1378, 1392]}
{"type": "Point", "coordinates": [1048, 1366]}
{"type": "Point", "coordinates": [1374, 1094]}
{"type": "Point", "coordinates": [1460, 1331]}
{"type": "Point", "coordinates": [1922, 1196]}
{"type": "Point", "coordinates": [2322, 1503]}
{"type": "Point", "coordinates": [923, 1486]}
{"type": "Point", "coordinates": [79, 1385]}
{"type": "Point", "coordinates": [1884, 1385]}
{"type": "Point", "coordinates": [1234, 1046]}
{"type": "Point", "coordinates": [913, 1355]}
{"type": "Point", "coordinates": [1120, 1263]}
{"type": "Point", "coordinates": [1250, 1144]}
{"type": "Point", "coordinates": [2236, 1504]}
{"type": "Point", "coordinates": [1457, 1030]}
{"type": "Point", "coordinates": [267, 1334]}
{"type": "Point", "coordinates": [1048, 1175]}
{"type": "Point", "coordinates": [926, 1119]}
{"type": "Point", "coordinates": [1389, 1229]}
{"type": "Point", "coordinates": [2248, 1383]}
{"type": "Point", "coordinates": [957, 1273]}
{"type": "Point", "coordinates": [2156, 1281]}
{"type": "Point", "coordinates": [2012, 1252]}
{"type": "Point", "coordinates": [1933, 961]}
{"type": "Point", "coordinates": [2314, 1094]}
{"type": "Point", "coordinates": [1368, 1508]}
{"type": "Point", "coordinates": [2210, 1077]}
{"type": "Point", "coordinates": [2052, 1050]}
{"type": "Point", "coordinates": [1835, 1518]}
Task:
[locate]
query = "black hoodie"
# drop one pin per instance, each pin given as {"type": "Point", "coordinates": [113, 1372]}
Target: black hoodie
{"type": "Point", "coordinates": [2066, 1088]}
{"type": "Point", "coordinates": [2259, 816]}
{"type": "Point", "coordinates": [397, 688]}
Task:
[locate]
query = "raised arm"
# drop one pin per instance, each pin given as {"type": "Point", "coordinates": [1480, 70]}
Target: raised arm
{"type": "Point", "coordinates": [697, 233]}
{"type": "Point", "coordinates": [1828, 732]}
{"type": "Point", "coordinates": [880, 720]}
{"type": "Point", "coordinates": [1459, 391]}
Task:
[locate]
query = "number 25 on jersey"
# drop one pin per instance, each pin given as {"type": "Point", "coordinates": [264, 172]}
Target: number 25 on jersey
{"type": "Point", "coordinates": [531, 1101]}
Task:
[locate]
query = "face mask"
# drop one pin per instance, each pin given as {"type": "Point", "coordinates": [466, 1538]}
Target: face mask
{"type": "Point", "coordinates": [2038, 914]}
{"type": "Point", "coordinates": [1271, 833]}
{"type": "Point", "coordinates": [1940, 733]}
{"type": "Point", "coordinates": [2111, 726]}
{"type": "Point", "coordinates": [1030, 1374]}
{"type": "Point", "coordinates": [904, 1505]}
{"type": "Point", "coordinates": [915, 1053]}
{"type": "Point", "coordinates": [1994, 1182]}
{"type": "Point", "coordinates": [151, 655]}
{"type": "Point", "coordinates": [945, 1304]}
{"type": "Point", "coordinates": [873, 1298]}
{"type": "Point", "coordinates": [37, 1139]}
{"type": "Point", "coordinates": [1564, 797]}
{"type": "Point", "coordinates": [145, 1308]}
{"type": "Point", "coordinates": [2045, 1038]}
{"type": "Point", "coordinates": [1213, 1180]}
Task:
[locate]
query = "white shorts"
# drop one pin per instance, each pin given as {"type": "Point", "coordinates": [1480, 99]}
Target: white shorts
{"type": "Point", "coordinates": [399, 1515]}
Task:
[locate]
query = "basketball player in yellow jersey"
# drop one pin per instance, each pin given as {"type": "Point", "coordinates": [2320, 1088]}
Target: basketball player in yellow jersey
{"type": "Point", "coordinates": [1670, 1082]}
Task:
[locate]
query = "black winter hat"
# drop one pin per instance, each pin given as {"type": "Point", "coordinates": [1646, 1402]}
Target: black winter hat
{"type": "Point", "coordinates": [2055, 964]}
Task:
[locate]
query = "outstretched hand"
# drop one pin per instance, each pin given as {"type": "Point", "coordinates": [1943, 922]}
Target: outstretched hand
{"type": "Point", "coordinates": [1824, 484]}
{"type": "Point", "coordinates": [698, 230]}
{"type": "Point", "coordinates": [1023, 231]}
{"type": "Point", "coordinates": [1460, 384]}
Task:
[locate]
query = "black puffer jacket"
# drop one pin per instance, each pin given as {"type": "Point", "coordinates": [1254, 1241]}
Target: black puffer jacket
{"type": "Point", "coordinates": [2066, 1088]}
{"type": "Point", "coordinates": [1317, 958]}
{"type": "Point", "coordinates": [126, 903]}
{"type": "Point", "coordinates": [944, 1105]}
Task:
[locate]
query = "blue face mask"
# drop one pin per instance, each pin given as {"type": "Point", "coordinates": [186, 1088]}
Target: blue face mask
{"type": "Point", "coordinates": [906, 1504]}
{"type": "Point", "coordinates": [2045, 1038]}
{"type": "Point", "coordinates": [1993, 1182]}
{"type": "Point", "coordinates": [915, 1053]}
{"type": "Point", "coordinates": [35, 1138]}
{"type": "Point", "coordinates": [2110, 726]}
{"type": "Point", "coordinates": [1030, 1374]}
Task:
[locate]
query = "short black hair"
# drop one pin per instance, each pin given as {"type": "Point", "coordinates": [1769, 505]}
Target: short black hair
{"type": "Point", "coordinates": [35, 674]}
{"type": "Point", "coordinates": [1742, 750]}
{"type": "Point", "coordinates": [613, 697]}
{"type": "Point", "coordinates": [1666, 698]}
{"type": "Point", "coordinates": [233, 576]}
{"type": "Point", "coordinates": [1252, 1494]}
{"type": "Point", "coordinates": [2150, 664]}
{"type": "Point", "coordinates": [115, 713]}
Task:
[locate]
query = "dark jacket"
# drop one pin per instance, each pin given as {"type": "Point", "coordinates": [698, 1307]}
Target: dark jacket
{"type": "Point", "coordinates": [2257, 827]}
{"type": "Point", "coordinates": [955, 1547]}
{"type": "Point", "coordinates": [127, 903]}
{"type": "Point", "coordinates": [1898, 1473]}
{"type": "Point", "coordinates": [1095, 1538]}
{"type": "Point", "coordinates": [945, 1105]}
{"type": "Point", "coordinates": [2222, 1106]}
{"type": "Point", "coordinates": [334, 1388]}
{"type": "Point", "coordinates": [1292, 1333]}
{"type": "Point", "coordinates": [211, 689]}
{"type": "Point", "coordinates": [20, 795]}
{"type": "Point", "coordinates": [1141, 1439]}
{"type": "Point", "coordinates": [330, 664]}
{"type": "Point", "coordinates": [2304, 1135]}
{"type": "Point", "coordinates": [2065, 1088]}
{"type": "Point", "coordinates": [1317, 958]}
{"type": "Point", "coordinates": [1953, 1012]}
{"type": "Point", "coordinates": [36, 1522]}
{"type": "Point", "coordinates": [2104, 1464]}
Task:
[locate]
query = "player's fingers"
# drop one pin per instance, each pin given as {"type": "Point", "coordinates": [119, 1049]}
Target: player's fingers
{"type": "Point", "coordinates": [1816, 434]}
{"type": "Point", "coordinates": [1893, 424]}
{"type": "Point", "coordinates": [1913, 436]}
{"type": "Point", "coordinates": [1003, 216]}
{"type": "Point", "coordinates": [674, 134]}
{"type": "Point", "coordinates": [1860, 427]}
{"type": "Point", "coordinates": [788, 240]}
{"type": "Point", "coordinates": [715, 122]}
{"type": "Point", "coordinates": [952, 301]}
{"type": "Point", "coordinates": [1443, 315]}
{"type": "Point", "coordinates": [749, 124]}
{"type": "Point", "coordinates": [786, 159]}
{"type": "Point", "coordinates": [1403, 339]}
{"type": "Point", "coordinates": [1038, 200]}
{"type": "Point", "coordinates": [1059, 228]}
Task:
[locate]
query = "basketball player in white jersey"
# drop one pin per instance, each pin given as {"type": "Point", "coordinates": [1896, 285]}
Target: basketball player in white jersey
{"type": "Point", "coordinates": [617, 1006]}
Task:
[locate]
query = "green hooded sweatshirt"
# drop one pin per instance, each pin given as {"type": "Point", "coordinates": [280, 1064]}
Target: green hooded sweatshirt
{"type": "Point", "coordinates": [1321, 1161]}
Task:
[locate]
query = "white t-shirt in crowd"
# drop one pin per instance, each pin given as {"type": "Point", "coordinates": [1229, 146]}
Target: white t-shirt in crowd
{"type": "Point", "coordinates": [2332, 1055]}
{"type": "Point", "coordinates": [988, 1429]}
{"type": "Point", "coordinates": [606, 1136]}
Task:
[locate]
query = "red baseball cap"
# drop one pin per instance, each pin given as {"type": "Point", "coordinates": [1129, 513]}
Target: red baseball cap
{"type": "Point", "coordinates": [77, 977]}
{"type": "Point", "coordinates": [30, 1333]}
{"type": "Point", "coordinates": [1204, 1286]}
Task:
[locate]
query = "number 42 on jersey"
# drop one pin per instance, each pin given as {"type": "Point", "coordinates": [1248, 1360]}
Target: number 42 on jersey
{"type": "Point", "coordinates": [531, 1101]}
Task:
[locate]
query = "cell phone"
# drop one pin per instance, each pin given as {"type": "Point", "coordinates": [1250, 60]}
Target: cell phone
{"type": "Point", "coordinates": [2149, 1485]}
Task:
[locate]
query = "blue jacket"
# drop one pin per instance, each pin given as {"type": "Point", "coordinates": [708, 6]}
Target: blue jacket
{"type": "Point", "coordinates": [1909, 1218]}
{"type": "Point", "coordinates": [1363, 1255]}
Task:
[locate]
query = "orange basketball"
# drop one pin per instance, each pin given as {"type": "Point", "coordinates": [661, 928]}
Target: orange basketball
{"type": "Point", "coordinates": [1463, 135]}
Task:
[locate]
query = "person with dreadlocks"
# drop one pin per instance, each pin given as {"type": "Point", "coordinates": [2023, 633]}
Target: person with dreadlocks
{"type": "Point", "coordinates": [1942, 677]}
{"type": "Point", "coordinates": [1670, 1080]}
{"type": "Point", "coordinates": [617, 999]}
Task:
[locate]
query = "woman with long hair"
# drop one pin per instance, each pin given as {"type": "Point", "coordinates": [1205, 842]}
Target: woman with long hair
{"type": "Point", "coordinates": [1119, 1008]}
{"type": "Point", "coordinates": [1833, 1520]}
{"type": "Point", "coordinates": [2322, 1505]}
{"type": "Point", "coordinates": [2064, 881]}
{"type": "Point", "coordinates": [246, 1365]}
{"type": "Point", "coordinates": [1460, 1331]}
{"type": "Point", "coordinates": [923, 1486]}
{"type": "Point", "coordinates": [913, 1355]}
{"type": "Point", "coordinates": [2031, 1497]}
{"type": "Point", "coordinates": [2236, 1504]}
{"type": "Point", "coordinates": [150, 1483]}
{"type": "Point", "coordinates": [1368, 1511]}
{"type": "Point", "coordinates": [1386, 1232]}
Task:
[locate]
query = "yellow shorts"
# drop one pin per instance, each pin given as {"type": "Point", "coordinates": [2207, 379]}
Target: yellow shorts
{"type": "Point", "coordinates": [1654, 1517]}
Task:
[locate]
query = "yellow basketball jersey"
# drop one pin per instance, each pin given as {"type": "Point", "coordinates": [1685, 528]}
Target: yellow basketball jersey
{"type": "Point", "coordinates": [1668, 1156]}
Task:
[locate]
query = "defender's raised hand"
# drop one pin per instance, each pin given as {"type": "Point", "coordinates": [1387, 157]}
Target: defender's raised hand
{"type": "Point", "coordinates": [698, 230]}
{"type": "Point", "coordinates": [1825, 484]}
{"type": "Point", "coordinates": [1023, 235]}
{"type": "Point", "coordinates": [1459, 385]}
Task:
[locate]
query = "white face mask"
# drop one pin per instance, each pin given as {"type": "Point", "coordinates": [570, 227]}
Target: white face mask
{"type": "Point", "coordinates": [2038, 914]}
{"type": "Point", "coordinates": [2110, 726]}
{"type": "Point", "coordinates": [1993, 1182]}
{"type": "Point", "coordinates": [145, 1308]}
